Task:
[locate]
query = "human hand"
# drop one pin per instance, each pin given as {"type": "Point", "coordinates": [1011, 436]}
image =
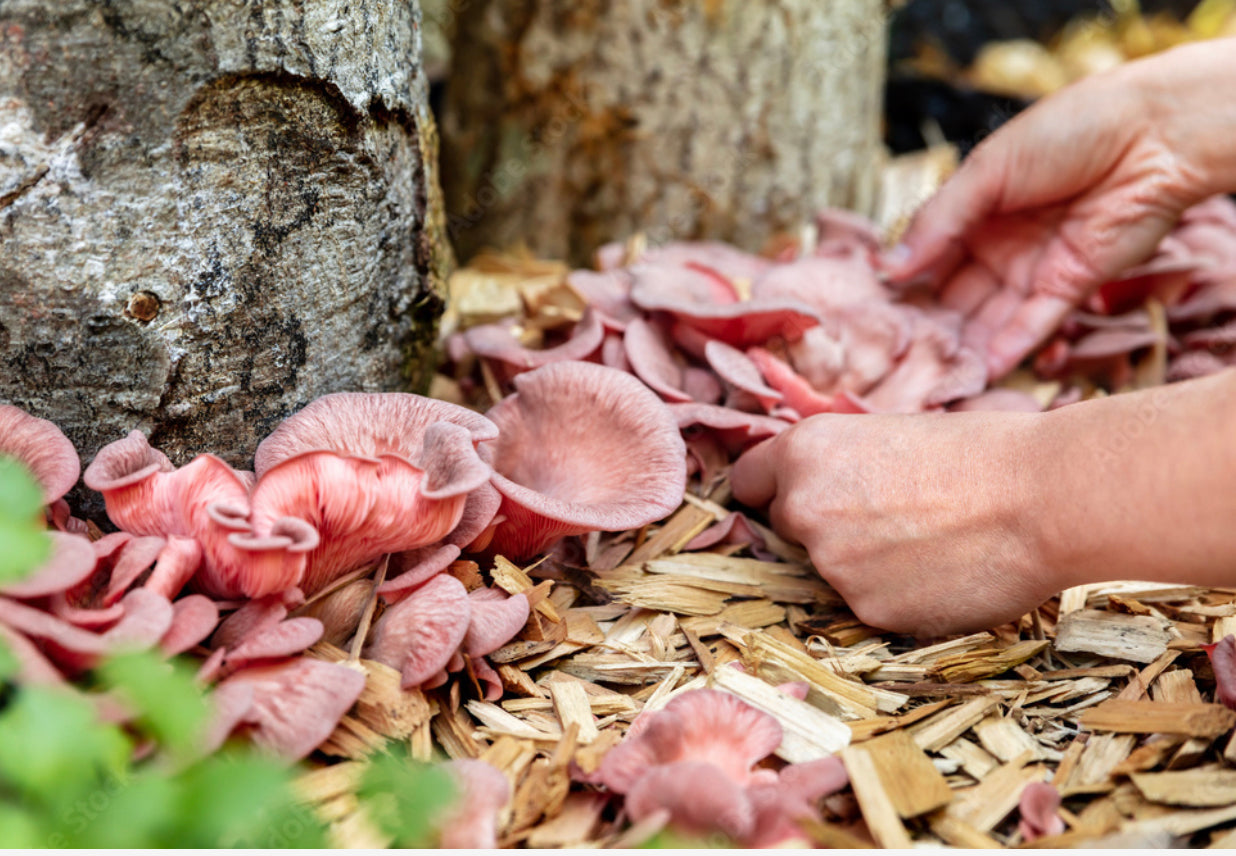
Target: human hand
{"type": "Point", "coordinates": [926, 524]}
{"type": "Point", "coordinates": [1071, 193]}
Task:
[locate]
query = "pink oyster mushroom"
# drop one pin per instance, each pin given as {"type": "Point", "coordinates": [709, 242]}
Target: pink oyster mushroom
{"type": "Point", "coordinates": [288, 707]}
{"type": "Point", "coordinates": [349, 478]}
{"type": "Point", "coordinates": [581, 447]}
{"type": "Point", "coordinates": [472, 823]}
{"type": "Point", "coordinates": [430, 632]}
{"type": "Point", "coordinates": [695, 760]}
{"type": "Point", "coordinates": [1040, 811]}
{"type": "Point", "coordinates": [707, 301]}
{"type": "Point", "coordinates": [42, 448]}
{"type": "Point", "coordinates": [1222, 656]}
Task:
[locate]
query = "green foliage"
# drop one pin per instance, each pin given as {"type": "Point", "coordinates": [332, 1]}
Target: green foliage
{"type": "Point", "coordinates": [164, 695]}
{"type": "Point", "coordinates": [68, 779]}
{"type": "Point", "coordinates": [23, 543]}
{"type": "Point", "coordinates": [403, 796]}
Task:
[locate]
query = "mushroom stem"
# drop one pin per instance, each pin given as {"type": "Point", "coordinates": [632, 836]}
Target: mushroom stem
{"type": "Point", "coordinates": [362, 629]}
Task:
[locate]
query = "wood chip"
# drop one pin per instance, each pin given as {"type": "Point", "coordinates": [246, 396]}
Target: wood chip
{"type": "Point", "coordinates": [573, 707]}
{"type": "Point", "coordinates": [948, 725]}
{"type": "Point", "coordinates": [988, 802]}
{"type": "Point", "coordinates": [1148, 717]}
{"type": "Point", "coordinates": [877, 805]}
{"type": "Point", "coordinates": [809, 733]}
{"type": "Point", "coordinates": [911, 781]}
{"type": "Point", "coordinates": [982, 663]}
{"type": "Point", "coordinates": [1139, 638]}
{"type": "Point", "coordinates": [1201, 787]}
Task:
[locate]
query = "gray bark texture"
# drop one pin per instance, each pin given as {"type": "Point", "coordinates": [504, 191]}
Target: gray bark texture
{"type": "Point", "coordinates": [212, 212]}
{"type": "Point", "coordinates": [569, 123]}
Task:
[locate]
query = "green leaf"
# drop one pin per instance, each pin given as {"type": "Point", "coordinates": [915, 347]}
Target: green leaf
{"type": "Point", "coordinates": [8, 663]}
{"type": "Point", "coordinates": [405, 797]}
{"type": "Point", "coordinates": [21, 829]}
{"type": "Point", "coordinates": [139, 813]}
{"type": "Point", "coordinates": [23, 547]}
{"type": "Point", "coordinates": [21, 497]}
{"type": "Point", "coordinates": [52, 747]}
{"type": "Point", "coordinates": [163, 696]}
{"type": "Point", "coordinates": [234, 800]}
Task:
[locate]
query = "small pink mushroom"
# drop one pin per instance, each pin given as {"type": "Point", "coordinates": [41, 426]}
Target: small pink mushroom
{"type": "Point", "coordinates": [707, 302]}
{"type": "Point", "coordinates": [582, 447]}
{"type": "Point", "coordinates": [696, 759]}
{"type": "Point", "coordinates": [1040, 811]}
{"type": "Point", "coordinates": [42, 448]}
{"type": "Point", "coordinates": [1222, 656]}
{"type": "Point", "coordinates": [288, 708]}
{"type": "Point", "coordinates": [472, 823]}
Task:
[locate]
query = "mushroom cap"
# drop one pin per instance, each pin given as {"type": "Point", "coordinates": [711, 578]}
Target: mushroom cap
{"type": "Point", "coordinates": [42, 448]}
{"type": "Point", "coordinates": [420, 634]}
{"type": "Point", "coordinates": [706, 301]}
{"type": "Point", "coordinates": [366, 424]}
{"type": "Point", "coordinates": [291, 706]}
{"type": "Point", "coordinates": [471, 824]}
{"type": "Point", "coordinates": [363, 508]}
{"type": "Point", "coordinates": [498, 342]}
{"type": "Point", "coordinates": [582, 447]}
{"type": "Point", "coordinates": [71, 561]}
{"type": "Point", "coordinates": [698, 725]}
{"type": "Point", "coordinates": [1039, 806]}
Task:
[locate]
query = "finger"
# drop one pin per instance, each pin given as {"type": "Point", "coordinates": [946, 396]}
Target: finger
{"type": "Point", "coordinates": [989, 319]}
{"type": "Point", "coordinates": [969, 288]}
{"type": "Point", "coordinates": [936, 232]}
{"type": "Point", "coordinates": [753, 478]}
{"type": "Point", "coordinates": [1029, 327]}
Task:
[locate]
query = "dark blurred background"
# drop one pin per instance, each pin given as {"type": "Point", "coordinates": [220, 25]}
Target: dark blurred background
{"type": "Point", "coordinates": [934, 43]}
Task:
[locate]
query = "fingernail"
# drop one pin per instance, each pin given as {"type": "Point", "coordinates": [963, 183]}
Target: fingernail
{"type": "Point", "coordinates": [897, 256]}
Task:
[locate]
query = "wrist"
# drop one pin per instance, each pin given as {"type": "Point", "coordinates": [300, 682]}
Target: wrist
{"type": "Point", "coordinates": [1140, 486]}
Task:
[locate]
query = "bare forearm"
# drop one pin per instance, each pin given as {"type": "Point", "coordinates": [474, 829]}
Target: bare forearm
{"type": "Point", "coordinates": [1143, 485]}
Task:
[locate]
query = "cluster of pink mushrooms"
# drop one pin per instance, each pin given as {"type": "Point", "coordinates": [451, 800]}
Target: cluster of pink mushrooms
{"type": "Point", "coordinates": [685, 356]}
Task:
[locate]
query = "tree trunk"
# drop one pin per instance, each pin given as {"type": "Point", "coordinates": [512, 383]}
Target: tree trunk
{"type": "Point", "coordinates": [568, 123]}
{"type": "Point", "coordinates": [212, 213]}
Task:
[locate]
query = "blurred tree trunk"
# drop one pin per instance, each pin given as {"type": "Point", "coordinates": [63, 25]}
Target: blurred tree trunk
{"type": "Point", "coordinates": [568, 124]}
{"type": "Point", "coordinates": [212, 213]}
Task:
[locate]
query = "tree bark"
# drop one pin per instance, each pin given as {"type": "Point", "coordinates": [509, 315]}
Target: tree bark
{"type": "Point", "coordinates": [568, 124]}
{"type": "Point", "coordinates": [212, 213]}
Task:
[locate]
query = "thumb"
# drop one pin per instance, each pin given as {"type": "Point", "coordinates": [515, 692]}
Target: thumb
{"type": "Point", "coordinates": [933, 245]}
{"type": "Point", "coordinates": [753, 478]}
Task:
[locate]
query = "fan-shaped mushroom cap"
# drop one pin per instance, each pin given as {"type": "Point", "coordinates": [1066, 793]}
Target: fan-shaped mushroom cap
{"type": "Point", "coordinates": [42, 448]}
{"type": "Point", "coordinates": [653, 362]}
{"type": "Point", "coordinates": [699, 801]}
{"type": "Point", "coordinates": [700, 725]}
{"type": "Point", "coordinates": [291, 707]}
{"type": "Point", "coordinates": [72, 560]}
{"type": "Point", "coordinates": [707, 302]}
{"type": "Point", "coordinates": [366, 507]}
{"type": "Point", "coordinates": [498, 342]}
{"type": "Point", "coordinates": [420, 634]}
{"type": "Point", "coordinates": [737, 369]}
{"type": "Point", "coordinates": [582, 447]}
{"type": "Point", "coordinates": [365, 425]}
{"type": "Point", "coordinates": [146, 495]}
